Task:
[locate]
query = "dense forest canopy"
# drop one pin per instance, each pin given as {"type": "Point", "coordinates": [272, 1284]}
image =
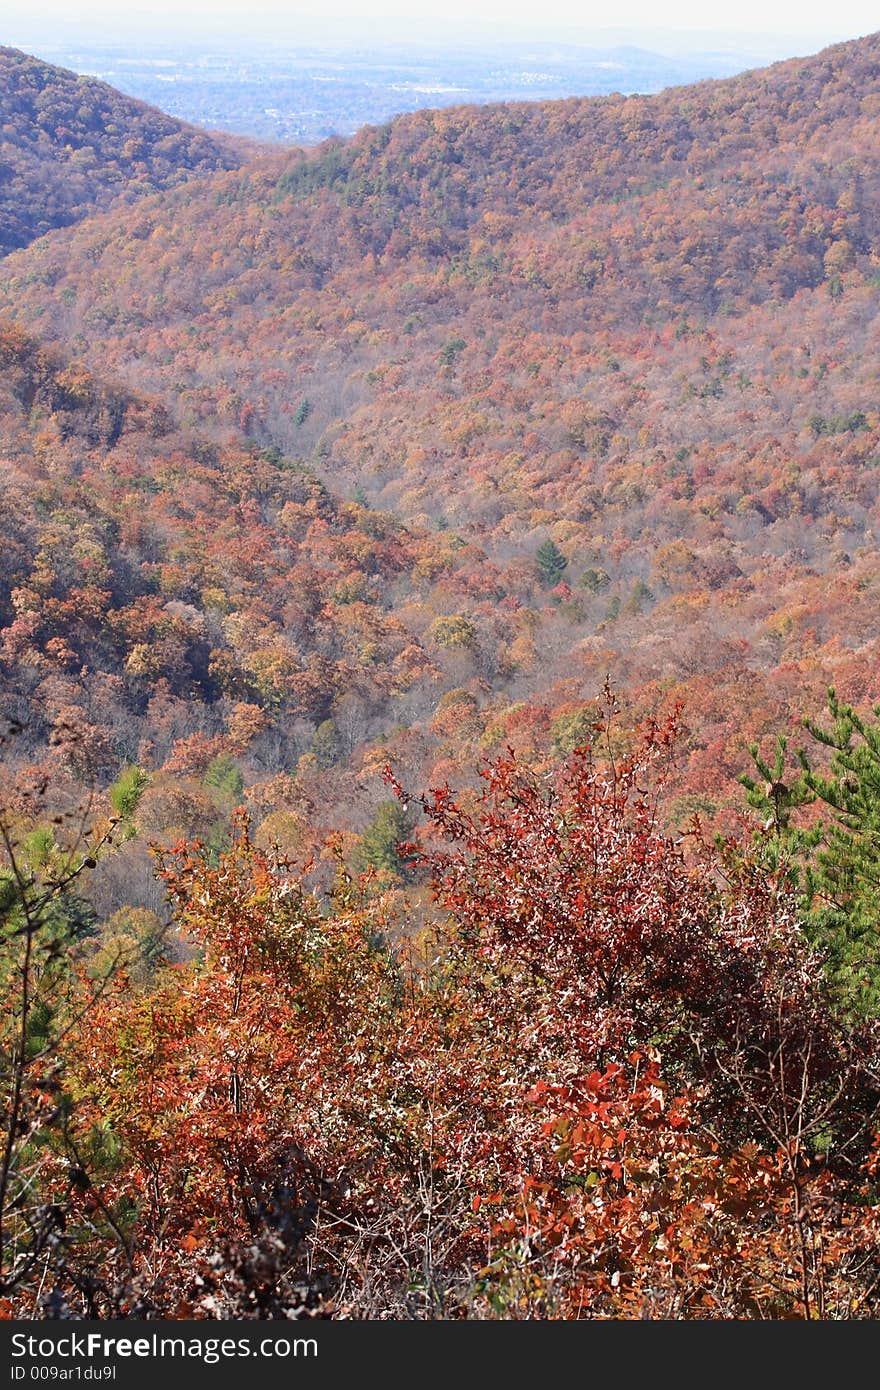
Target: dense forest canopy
{"type": "Point", "coordinates": [70, 145]}
{"type": "Point", "coordinates": [639, 328]}
{"type": "Point", "coordinates": [408, 549]}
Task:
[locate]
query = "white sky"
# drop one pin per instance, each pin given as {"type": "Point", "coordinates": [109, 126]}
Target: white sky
{"type": "Point", "coordinates": [839, 19]}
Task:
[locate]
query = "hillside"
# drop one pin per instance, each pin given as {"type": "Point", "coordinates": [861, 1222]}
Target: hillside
{"type": "Point", "coordinates": [608, 213]}
{"type": "Point", "coordinates": [402, 544]}
{"type": "Point", "coordinates": [642, 328]}
{"type": "Point", "coordinates": [70, 145]}
{"type": "Point", "coordinates": [170, 602]}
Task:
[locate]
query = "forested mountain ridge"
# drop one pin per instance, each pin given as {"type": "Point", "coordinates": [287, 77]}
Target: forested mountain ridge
{"type": "Point", "coordinates": [759, 149]}
{"type": "Point", "coordinates": [70, 145]}
{"type": "Point", "coordinates": [421, 256]}
{"type": "Point", "coordinates": [643, 329]}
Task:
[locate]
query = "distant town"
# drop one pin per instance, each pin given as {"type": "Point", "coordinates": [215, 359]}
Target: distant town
{"type": "Point", "coordinates": [303, 94]}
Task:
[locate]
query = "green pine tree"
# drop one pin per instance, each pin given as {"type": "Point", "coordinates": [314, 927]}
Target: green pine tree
{"type": "Point", "coordinates": [551, 562]}
{"type": "Point", "coordinates": [378, 848]}
{"type": "Point", "coordinates": [127, 790]}
{"type": "Point", "coordinates": [224, 776]}
{"type": "Point", "coordinates": [833, 861]}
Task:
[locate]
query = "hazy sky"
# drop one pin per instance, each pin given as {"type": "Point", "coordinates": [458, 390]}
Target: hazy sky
{"type": "Point", "coordinates": [843, 18]}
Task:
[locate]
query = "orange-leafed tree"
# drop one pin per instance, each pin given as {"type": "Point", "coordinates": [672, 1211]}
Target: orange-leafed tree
{"type": "Point", "coordinates": [214, 1103]}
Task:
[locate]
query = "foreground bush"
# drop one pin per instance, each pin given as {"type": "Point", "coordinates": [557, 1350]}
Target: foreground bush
{"type": "Point", "coordinates": [616, 1086]}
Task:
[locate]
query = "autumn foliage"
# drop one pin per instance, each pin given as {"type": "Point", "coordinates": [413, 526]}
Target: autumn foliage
{"type": "Point", "coordinates": [384, 457]}
{"type": "Point", "coordinates": [319, 419]}
{"type": "Point", "coordinates": [609, 1084]}
{"type": "Point", "coordinates": [71, 144]}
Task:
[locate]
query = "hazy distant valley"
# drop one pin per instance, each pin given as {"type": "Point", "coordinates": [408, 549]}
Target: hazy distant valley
{"type": "Point", "coordinates": [304, 92]}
